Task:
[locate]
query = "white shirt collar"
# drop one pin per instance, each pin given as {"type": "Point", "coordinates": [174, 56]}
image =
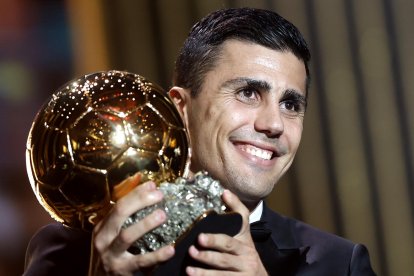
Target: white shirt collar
{"type": "Point", "coordinates": [257, 213]}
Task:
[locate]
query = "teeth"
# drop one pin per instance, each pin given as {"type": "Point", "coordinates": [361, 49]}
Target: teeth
{"type": "Point", "coordinates": [264, 154]}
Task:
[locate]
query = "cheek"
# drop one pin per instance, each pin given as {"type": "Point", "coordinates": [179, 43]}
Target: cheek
{"type": "Point", "coordinates": [209, 120]}
{"type": "Point", "coordinates": [237, 115]}
{"type": "Point", "coordinates": [213, 122]}
{"type": "Point", "coordinates": [202, 125]}
{"type": "Point", "coordinates": [295, 135]}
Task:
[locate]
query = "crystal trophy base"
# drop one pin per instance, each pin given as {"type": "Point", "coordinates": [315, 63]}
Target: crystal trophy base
{"type": "Point", "coordinates": [187, 202]}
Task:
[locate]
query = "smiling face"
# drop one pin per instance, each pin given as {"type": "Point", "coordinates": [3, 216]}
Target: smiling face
{"type": "Point", "coordinates": [246, 122]}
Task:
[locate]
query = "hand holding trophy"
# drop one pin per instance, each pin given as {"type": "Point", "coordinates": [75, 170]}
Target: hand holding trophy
{"type": "Point", "coordinates": [102, 128]}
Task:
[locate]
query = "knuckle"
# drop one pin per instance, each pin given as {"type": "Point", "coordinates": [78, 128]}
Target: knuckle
{"type": "Point", "coordinates": [99, 246]}
{"type": "Point", "coordinates": [137, 191]}
{"type": "Point", "coordinates": [210, 257]}
{"type": "Point", "coordinates": [124, 237]}
{"type": "Point", "coordinates": [228, 245]}
{"type": "Point", "coordinates": [120, 209]}
{"type": "Point", "coordinates": [117, 269]}
{"type": "Point", "coordinates": [135, 264]}
{"type": "Point", "coordinates": [221, 262]}
{"type": "Point", "coordinates": [110, 266]}
{"type": "Point", "coordinates": [148, 259]}
{"type": "Point", "coordinates": [159, 256]}
{"type": "Point", "coordinates": [153, 220]}
{"type": "Point", "coordinates": [148, 222]}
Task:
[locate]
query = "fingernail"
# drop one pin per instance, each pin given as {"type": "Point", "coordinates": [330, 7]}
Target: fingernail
{"type": "Point", "coordinates": [150, 185]}
{"type": "Point", "coordinates": [189, 270]}
{"type": "Point", "coordinates": [203, 238]}
{"type": "Point", "coordinates": [227, 192]}
{"type": "Point", "coordinates": [160, 215]}
{"type": "Point", "coordinates": [193, 250]}
{"type": "Point", "coordinates": [156, 195]}
{"type": "Point", "coordinates": [170, 250]}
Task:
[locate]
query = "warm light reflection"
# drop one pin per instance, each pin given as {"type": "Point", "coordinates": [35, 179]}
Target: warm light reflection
{"type": "Point", "coordinates": [118, 136]}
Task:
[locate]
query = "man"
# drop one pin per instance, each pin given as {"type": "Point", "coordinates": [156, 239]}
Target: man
{"type": "Point", "coordinates": [241, 86]}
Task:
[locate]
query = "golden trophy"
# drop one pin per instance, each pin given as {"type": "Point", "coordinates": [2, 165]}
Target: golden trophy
{"type": "Point", "coordinates": [98, 130]}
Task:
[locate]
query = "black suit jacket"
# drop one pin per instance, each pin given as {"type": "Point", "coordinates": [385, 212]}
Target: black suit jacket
{"type": "Point", "coordinates": [304, 250]}
{"type": "Point", "coordinates": [318, 252]}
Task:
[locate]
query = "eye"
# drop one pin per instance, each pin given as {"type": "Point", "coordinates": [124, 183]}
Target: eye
{"type": "Point", "coordinates": [291, 106]}
{"type": "Point", "coordinates": [293, 103]}
{"type": "Point", "coordinates": [248, 95]}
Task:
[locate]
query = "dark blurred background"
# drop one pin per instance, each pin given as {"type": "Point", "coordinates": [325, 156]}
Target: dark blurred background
{"type": "Point", "coordinates": [354, 174]}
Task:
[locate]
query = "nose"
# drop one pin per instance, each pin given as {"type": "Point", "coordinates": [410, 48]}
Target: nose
{"type": "Point", "coordinates": [269, 121]}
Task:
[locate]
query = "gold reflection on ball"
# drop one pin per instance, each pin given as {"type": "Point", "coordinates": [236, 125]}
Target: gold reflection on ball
{"type": "Point", "coordinates": [92, 134]}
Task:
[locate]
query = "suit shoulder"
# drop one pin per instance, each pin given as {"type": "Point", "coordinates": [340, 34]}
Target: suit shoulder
{"type": "Point", "coordinates": [301, 234]}
{"type": "Point", "coordinates": [324, 253]}
{"type": "Point", "coordinates": [311, 235]}
{"type": "Point", "coordinates": [304, 234]}
{"type": "Point", "coordinates": [52, 246]}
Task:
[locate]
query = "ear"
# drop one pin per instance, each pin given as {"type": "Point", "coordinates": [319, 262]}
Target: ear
{"type": "Point", "coordinates": [182, 100]}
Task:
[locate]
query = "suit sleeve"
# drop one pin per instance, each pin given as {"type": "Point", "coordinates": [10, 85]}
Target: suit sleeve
{"type": "Point", "coordinates": [360, 262]}
{"type": "Point", "coordinates": [58, 250]}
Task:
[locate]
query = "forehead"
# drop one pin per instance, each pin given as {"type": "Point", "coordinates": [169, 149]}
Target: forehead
{"type": "Point", "coordinates": [245, 59]}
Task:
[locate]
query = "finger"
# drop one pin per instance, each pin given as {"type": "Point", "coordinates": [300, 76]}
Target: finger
{"type": "Point", "coordinates": [127, 263]}
{"type": "Point", "coordinates": [197, 271]}
{"type": "Point", "coordinates": [132, 181]}
{"type": "Point", "coordinates": [140, 197]}
{"type": "Point", "coordinates": [234, 203]}
{"type": "Point", "coordinates": [216, 259]}
{"type": "Point", "coordinates": [136, 200]}
{"type": "Point", "coordinates": [125, 186]}
{"type": "Point", "coordinates": [129, 235]}
{"type": "Point", "coordinates": [221, 243]}
{"type": "Point", "coordinates": [151, 258]}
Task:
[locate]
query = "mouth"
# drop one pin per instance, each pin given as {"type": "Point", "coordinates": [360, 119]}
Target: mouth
{"type": "Point", "coordinates": [255, 151]}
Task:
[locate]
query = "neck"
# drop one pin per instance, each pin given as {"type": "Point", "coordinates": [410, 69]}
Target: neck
{"type": "Point", "coordinates": [251, 205]}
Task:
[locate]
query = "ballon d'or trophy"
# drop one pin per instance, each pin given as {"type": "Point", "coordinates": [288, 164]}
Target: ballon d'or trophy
{"type": "Point", "coordinates": [95, 132]}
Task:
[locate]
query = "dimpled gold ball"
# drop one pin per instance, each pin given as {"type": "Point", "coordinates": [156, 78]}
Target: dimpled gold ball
{"type": "Point", "coordinates": [92, 134]}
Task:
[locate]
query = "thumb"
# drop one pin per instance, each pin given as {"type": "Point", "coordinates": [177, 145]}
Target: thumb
{"type": "Point", "coordinates": [235, 205]}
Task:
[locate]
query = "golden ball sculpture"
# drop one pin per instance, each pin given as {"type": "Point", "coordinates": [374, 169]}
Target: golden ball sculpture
{"type": "Point", "coordinates": [93, 133]}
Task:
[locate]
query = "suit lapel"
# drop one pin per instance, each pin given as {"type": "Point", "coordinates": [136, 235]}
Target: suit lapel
{"type": "Point", "coordinates": [288, 253]}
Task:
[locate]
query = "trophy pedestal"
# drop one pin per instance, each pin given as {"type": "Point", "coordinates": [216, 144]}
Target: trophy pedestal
{"type": "Point", "coordinates": [229, 223]}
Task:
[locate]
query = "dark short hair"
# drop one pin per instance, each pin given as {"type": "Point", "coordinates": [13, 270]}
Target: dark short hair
{"type": "Point", "coordinates": [202, 48]}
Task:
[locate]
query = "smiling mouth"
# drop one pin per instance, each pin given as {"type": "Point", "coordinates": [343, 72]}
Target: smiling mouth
{"type": "Point", "coordinates": [257, 152]}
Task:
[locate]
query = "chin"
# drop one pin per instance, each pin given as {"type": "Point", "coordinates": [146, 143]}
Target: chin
{"type": "Point", "coordinates": [253, 195]}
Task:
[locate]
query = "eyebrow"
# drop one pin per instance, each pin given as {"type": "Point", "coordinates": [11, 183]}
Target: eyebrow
{"type": "Point", "coordinates": [263, 86]}
{"type": "Point", "coordinates": [257, 84]}
{"type": "Point", "coordinates": [294, 94]}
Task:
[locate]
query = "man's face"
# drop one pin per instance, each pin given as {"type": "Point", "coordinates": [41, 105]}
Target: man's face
{"type": "Point", "coordinates": [246, 122]}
